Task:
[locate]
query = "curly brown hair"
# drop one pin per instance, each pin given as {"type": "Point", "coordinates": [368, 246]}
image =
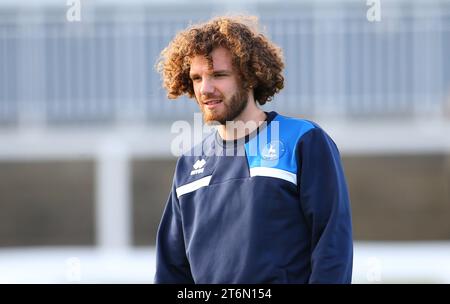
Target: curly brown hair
{"type": "Point", "coordinates": [259, 62]}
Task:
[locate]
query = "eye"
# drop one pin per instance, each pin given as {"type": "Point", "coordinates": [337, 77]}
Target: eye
{"type": "Point", "coordinates": [195, 78]}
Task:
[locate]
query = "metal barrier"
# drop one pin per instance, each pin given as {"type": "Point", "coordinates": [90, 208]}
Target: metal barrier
{"type": "Point", "coordinates": [101, 70]}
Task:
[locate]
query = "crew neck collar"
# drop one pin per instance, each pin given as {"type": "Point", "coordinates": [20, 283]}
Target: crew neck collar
{"type": "Point", "coordinates": [243, 140]}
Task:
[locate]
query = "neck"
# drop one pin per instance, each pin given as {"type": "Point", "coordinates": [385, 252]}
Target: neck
{"type": "Point", "coordinates": [247, 122]}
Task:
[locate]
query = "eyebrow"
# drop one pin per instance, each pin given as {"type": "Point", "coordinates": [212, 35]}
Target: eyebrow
{"type": "Point", "coordinates": [222, 71]}
{"type": "Point", "coordinates": [214, 72]}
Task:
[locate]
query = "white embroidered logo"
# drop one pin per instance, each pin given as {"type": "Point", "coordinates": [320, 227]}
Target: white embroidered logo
{"type": "Point", "coordinates": [198, 167]}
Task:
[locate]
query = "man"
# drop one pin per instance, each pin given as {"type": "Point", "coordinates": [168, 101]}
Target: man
{"type": "Point", "coordinates": [263, 201]}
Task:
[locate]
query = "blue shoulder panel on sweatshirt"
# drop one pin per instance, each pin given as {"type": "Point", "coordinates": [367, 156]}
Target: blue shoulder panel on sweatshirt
{"type": "Point", "coordinates": [273, 151]}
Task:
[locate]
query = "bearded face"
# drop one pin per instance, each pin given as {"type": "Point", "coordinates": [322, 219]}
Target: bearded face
{"type": "Point", "coordinates": [217, 90]}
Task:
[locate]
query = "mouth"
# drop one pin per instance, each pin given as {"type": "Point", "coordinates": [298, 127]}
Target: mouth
{"type": "Point", "coordinates": [212, 103]}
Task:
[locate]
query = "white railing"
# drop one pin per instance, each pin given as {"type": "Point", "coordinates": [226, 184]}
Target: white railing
{"type": "Point", "coordinates": [101, 69]}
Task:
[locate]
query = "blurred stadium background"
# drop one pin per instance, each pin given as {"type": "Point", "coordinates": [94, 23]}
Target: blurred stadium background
{"type": "Point", "coordinates": [85, 129]}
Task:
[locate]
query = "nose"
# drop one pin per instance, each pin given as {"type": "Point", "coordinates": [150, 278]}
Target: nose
{"type": "Point", "coordinates": [206, 87]}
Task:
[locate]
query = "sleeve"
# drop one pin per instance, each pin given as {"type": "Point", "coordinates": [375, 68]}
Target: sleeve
{"type": "Point", "coordinates": [172, 265]}
{"type": "Point", "coordinates": [325, 202]}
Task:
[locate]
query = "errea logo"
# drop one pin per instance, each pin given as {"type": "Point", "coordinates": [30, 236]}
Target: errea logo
{"type": "Point", "coordinates": [198, 167]}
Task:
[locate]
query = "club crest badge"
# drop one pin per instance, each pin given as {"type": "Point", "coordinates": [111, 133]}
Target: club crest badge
{"type": "Point", "coordinates": [273, 150]}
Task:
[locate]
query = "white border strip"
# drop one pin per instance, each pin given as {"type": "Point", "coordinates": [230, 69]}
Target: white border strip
{"type": "Point", "coordinates": [273, 172]}
{"type": "Point", "coordinates": [202, 182]}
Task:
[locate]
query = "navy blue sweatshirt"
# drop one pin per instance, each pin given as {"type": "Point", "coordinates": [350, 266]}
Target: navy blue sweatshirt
{"type": "Point", "coordinates": [272, 207]}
